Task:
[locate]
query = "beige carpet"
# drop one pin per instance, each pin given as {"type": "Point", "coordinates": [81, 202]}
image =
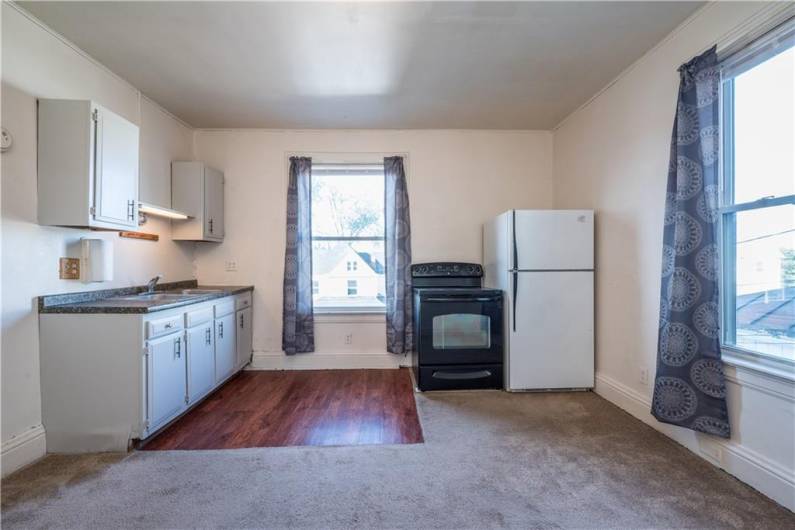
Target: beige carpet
{"type": "Point", "coordinates": [490, 460]}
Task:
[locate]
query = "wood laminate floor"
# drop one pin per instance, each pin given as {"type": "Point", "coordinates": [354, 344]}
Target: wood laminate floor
{"type": "Point", "coordinates": [304, 407]}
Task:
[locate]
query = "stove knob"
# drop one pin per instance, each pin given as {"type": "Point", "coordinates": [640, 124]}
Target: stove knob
{"type": "Point", "coordinates": [455, 268]}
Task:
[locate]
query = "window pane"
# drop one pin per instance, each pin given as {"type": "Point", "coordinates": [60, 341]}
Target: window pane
{"type": "Point", "coordinates": [764, 132]}
{"type": "Point", "coordinates": [347, 205]}
{"type": "Point", "coordinates": [764, 298]}
{"type": "Point", "coordinates": [340, 286]}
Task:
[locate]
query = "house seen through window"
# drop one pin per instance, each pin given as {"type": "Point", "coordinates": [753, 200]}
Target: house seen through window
{"type": "Point", "coordinates": [758, 198]}
{"type": "Point", "coordinates": [348, 237]}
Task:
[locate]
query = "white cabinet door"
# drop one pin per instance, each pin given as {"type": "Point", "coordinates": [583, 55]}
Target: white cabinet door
{"type": "Point", "coordinates": [166, 379]}
{"type": "Point", "coordinates": [225, 348]}
{"type": "Point", "coordinates": [116, 169]}
{"type": "Point", "coordinates": [244, 336]}
{"type": "Point", "coordinates": [214, 203]}
{"type": "Point", "coordinates": [201, 361]}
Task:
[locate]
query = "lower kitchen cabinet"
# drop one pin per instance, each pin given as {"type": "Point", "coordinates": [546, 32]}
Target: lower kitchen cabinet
{"type": "Point", "coordinates": [225, 354]}
{"type": "Point", "coordinates": [244, 337]}
{"type": "Point", "coordinates": [166, 378]}
{"type": "Point", "coordinates": [201, 360]}
{"type": "Point", "coordinates": [109, 379]}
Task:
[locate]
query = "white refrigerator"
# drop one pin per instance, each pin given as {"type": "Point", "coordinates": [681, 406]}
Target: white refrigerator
{"type": "Point", "coordinates": [543, 261]}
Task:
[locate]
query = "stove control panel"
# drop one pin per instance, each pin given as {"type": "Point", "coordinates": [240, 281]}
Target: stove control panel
{"type": "Point", "coordinates": [446, 268]}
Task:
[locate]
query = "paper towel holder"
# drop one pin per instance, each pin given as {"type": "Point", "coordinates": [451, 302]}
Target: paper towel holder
{"type": "Point", "coordinates": [97, 260]}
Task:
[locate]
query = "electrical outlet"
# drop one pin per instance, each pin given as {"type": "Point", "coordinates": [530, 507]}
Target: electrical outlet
{"type": "Point", "coordinates": [711, 451]}
{"type": "Point", "coordinates": [69, 268]}
{"type": "Point", "coordinates": [230, 266]}
{"type": "Point", "coordinates": [349, 338]}
{"type": "Point", "coordinates": [644, 375]}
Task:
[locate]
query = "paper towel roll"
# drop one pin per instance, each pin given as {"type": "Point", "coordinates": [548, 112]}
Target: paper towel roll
{"type": "Point", "coordinates": [97, 260]}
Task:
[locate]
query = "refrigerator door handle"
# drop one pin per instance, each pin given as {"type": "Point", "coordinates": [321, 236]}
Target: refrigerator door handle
{"type": "Point", "coordinates": [515, 246]}
{"type": "Point", "coordinates": [513, 298]}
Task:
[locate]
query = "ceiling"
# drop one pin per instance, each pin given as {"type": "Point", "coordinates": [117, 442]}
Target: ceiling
{"type": "Point", "coordinates": [430, 65]}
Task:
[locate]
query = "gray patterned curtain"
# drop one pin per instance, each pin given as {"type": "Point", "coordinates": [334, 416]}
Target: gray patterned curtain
{"type": "Point", "coordinates": [298, 326]}
{"type": "Point", "coordinates": [398, 257]}
{"type": "Point", "coordinates": [689, 387]}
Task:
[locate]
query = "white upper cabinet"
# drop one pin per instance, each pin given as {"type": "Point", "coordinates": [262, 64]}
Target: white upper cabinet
{"type": "Point", "coordinates": [87, 166]}
{"type": "Point", "coordinates": [198, 191]}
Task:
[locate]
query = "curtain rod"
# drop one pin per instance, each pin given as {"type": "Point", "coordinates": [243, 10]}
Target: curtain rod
{"type": "Point", "coordinates": [760, 24]}
{"type": "Point", "coordinates": [356, 165]}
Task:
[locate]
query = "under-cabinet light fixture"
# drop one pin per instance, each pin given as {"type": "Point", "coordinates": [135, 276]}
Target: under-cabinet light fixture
{"type": "Point", "coordinates": [160, 211]}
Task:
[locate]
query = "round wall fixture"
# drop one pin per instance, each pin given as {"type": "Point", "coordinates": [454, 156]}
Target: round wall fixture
{"type": "Point", "coordinates": [5, 140]}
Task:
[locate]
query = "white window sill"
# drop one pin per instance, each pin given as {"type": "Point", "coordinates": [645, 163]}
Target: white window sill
{"type": "Point", "coordinates": [771, 366]}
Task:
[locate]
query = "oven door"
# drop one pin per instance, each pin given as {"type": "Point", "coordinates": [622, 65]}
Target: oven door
{"type": "Point", "coordinates": [461, 328]}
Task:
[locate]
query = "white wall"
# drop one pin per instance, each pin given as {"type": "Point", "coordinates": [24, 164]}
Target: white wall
{"type": "Point", "coordinates": [612, 155]}
{"type": "Point", "coordinates": [163, 139]}
{"type": "Point", "coordinates": [456, 179]}
{"type": "Point", "coordinates": [38, 64]}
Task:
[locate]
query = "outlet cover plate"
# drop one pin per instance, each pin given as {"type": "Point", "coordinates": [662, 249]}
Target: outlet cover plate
{"type": "Point", "coordinates": [69, 269]}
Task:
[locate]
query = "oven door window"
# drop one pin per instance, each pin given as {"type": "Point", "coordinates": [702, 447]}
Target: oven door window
{"type": "Point", "coordinates": [461, 331]}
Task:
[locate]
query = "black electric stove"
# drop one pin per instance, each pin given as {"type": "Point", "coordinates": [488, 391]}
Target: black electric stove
{"type": "Point", "coordinates": [458, 328]}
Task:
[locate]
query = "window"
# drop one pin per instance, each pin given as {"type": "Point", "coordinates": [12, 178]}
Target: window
{"type": "Point", "coordinates": [315, 287]}
{"type": "Point", "coordinates": [757, 206]}
{"type": "Point", "coordinates": [348, 237]}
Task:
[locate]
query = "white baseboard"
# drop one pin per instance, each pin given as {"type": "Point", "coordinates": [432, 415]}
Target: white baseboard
{"type": "Point", "coordinates": [324, 361]}
{"type": "Point", "coordinates": [23, 449]}
{"type": "Point", "coordinates": [747, 465]}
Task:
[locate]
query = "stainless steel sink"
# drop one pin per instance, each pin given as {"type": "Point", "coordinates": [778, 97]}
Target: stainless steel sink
{"type": "Point", "coordinates": [198, 291]}
{"type": "Point", "coordinates": [153, 297]}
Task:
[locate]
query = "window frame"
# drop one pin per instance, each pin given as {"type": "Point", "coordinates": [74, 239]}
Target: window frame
{"type": "Point", "coordinates": [770, 44]}
{"type": "Point", "coordinates": [340, 167]}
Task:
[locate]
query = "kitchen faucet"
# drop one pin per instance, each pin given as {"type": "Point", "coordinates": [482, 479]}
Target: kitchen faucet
{"type": "Point", "coordinates": [150, 287]}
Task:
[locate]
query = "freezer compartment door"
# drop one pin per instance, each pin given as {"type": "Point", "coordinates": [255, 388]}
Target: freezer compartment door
{"type": "Point", "coordinates": [551, 331]}
{"type": "Point", "coordinates": [553, 240]}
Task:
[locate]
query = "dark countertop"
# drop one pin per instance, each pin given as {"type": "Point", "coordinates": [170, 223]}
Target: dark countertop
{"type": "Point", "coordinates": [107, 301]}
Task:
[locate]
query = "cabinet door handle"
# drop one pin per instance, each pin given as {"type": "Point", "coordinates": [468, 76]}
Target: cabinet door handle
{"type": "Point", "coordinates": [208, 336]}
{"type": "Point", "coordinates": [131, 209]}
{"type": "Point", "coordinates": [178, 347]}
{"type": "Point", "coordinates": [221, 330]}
{"type": "Point", "coordinates": [242, 325]}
